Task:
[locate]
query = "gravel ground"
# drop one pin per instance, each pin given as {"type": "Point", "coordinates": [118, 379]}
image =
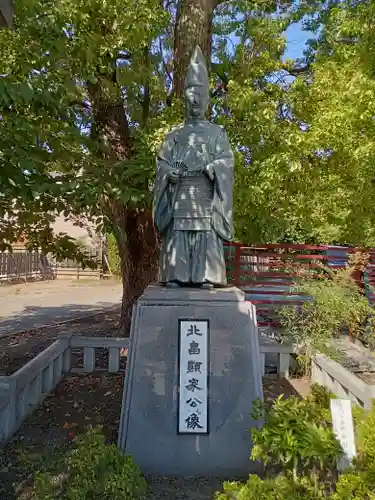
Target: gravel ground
{"type": "Point", "coordinates": [201, 488]}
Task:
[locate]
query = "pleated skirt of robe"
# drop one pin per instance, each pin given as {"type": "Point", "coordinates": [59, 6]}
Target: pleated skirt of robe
{"type": "Point", "coordinates": [192, 257]}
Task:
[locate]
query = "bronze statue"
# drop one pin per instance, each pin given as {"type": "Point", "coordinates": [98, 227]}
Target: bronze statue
{"type": "Point", "coordinates": [6, 13]}
{"type": "Point", "coordinates": [194, 192]}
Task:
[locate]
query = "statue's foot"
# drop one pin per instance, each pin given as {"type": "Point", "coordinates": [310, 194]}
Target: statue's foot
{"type": "Point", "coordinates": [172, 284]}
{"type": "Point", "coordinates": [207, 286]}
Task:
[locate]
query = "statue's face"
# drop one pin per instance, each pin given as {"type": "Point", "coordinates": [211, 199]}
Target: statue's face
{"type": "Point", "coordinates": [196, 102]}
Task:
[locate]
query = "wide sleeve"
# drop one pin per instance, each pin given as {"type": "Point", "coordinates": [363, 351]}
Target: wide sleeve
{"type": "Point", "coordinates": [164, 191]}
{"type": "Point", "coordinates": [222, 166]}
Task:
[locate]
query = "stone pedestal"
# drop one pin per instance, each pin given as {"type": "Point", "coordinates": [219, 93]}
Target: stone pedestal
{"type": "Point", "coordinates": [6, 13]}
{"type": "Point", "coordinates": [148, 427]}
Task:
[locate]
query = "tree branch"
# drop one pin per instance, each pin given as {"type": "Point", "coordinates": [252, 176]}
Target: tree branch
{"type": "Point", "coordinates": [146, 89]}
{"type": "Point", "coordinates": [299, 70]}
{"type": "Point", "coordinates": [123, 56]}
{"type": "Point", "coordinates": [223, 87]}
{"type": "Point", "coordinates": [81, 104]}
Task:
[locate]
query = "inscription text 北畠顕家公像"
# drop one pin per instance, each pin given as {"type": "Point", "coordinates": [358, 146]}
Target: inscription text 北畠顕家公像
{"type": "Point", "coordinates": [193, 376]}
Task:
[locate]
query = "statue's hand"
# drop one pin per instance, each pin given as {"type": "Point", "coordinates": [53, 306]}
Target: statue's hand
{"type": "Point", "coordinates": [209, 170]}
{"type": "Point", "coordinates": [173, 174]}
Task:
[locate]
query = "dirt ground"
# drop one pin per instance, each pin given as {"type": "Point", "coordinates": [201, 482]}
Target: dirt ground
{"type": "Point", "coordinates": [16, 350]}
{"type": "Point", "coordinates": [32, 305]}
{"type": "Point", "coordinates": [82, 401]}
{"type": "Point", "coordinates": [79, 402]}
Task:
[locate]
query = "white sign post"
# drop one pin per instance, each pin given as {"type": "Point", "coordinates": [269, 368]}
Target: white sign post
{"type": "Point", "coordinates": [342, 423]}
{"type": "Point", "coordinates": [193, 376]}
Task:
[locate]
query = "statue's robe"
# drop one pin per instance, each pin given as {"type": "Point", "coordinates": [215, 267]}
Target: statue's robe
{"type": "Point", "coordinates": [195, 214]}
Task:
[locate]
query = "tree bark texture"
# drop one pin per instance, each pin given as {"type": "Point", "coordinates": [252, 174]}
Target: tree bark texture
{"type": "Point", "coordinates": [133, 226]}
{"type": "Point", "coordinates": [193, 27]}
{"type": "Point", "coordinates": [139, 250]}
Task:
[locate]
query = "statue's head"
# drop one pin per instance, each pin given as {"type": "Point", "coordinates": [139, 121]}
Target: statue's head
{"type": "Point", "coordinates": [197, 87]}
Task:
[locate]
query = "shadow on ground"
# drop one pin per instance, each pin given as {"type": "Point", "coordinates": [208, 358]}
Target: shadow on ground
{"type": "Point", "coordinates": [274, 387]}
{"type": "Point", "coordinates": [18, 348]}
{"type": "Point", "coordinates": [36, 316]}
{"type": "Point", "coordinates": [46, 435]}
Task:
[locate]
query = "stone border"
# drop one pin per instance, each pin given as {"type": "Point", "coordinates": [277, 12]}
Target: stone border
{"type": "Point", "coordinates": [281, 352]}
{"type": "Point", "coordinates": [342, 382]}
{"type": "Point", "coordinates": [23, 391]}
{"type": "Point", "coordinates": [326, 372]}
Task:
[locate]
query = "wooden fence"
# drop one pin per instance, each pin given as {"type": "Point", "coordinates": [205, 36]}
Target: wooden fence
{"type": "Point", "coordinates": [268, 272]}
{"type": "Point", "coordinates": [71, 269]}
{"type": "Point", "coordinates": [265, 272]}
{"type": "Point", "coordinates": [21, 265]}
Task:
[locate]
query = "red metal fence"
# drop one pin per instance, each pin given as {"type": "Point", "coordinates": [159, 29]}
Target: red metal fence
{"type": "Point", "coordinates": [267, 272]}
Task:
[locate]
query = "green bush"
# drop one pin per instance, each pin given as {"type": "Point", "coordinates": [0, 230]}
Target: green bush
{"type": "Point", "coordinates": [353, 486]}
{"type": "Point", "coordinates": [336, 304]}
{"type": "Point", "coordinates": [297, 442]}
{"type": "Point", "coordinates": [92, 471]}
{"type": "Point", "coordinates": [297, 435]}
{"type": "Point", "coordinates": [279, 488]}
{"type": "Point", "coordinates": [113, 255]}
{"type": "Point", "coordinates": [365, 437]}
{"type": "Point", "coordinates": [320, 397]}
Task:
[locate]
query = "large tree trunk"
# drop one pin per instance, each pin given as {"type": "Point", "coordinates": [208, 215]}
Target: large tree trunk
{"type": "Point", "coordinates": [134, 229]}
{"type": "Point", "coordinates": [133, 226]}
{"type": "Point", "coordinates": [139, 250]}
{"type": "Point", "coordinates": [193, 27]}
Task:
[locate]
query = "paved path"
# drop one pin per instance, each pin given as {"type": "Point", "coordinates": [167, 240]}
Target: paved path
{"type": "Point", "coordinates": [31, 305]}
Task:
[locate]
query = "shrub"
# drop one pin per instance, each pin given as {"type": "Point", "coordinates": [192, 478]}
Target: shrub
{"type": "Point", "coordinates": [297, 435]}
{"type": "Point", "coordinates": [92, 471]}
{"type": "Point", "coordinates": [280, 488]}
{"type": "Point", "coordinates": [113, 255]}
{"type": "Point", "coordinates": [297, 439]}
{"type": "Point", "coordinates": [335, 303]}
{"type": "Point", "coordinates": [353, 486]}
{"type": "Point", "coordinates": [320, 397]}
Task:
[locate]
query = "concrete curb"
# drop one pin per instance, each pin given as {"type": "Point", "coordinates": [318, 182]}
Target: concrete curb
{"type": "Point", "coordinates": [24, 390]}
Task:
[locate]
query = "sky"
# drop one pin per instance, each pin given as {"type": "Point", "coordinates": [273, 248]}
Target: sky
{"type": "Point", "coordinates": [296, 41]}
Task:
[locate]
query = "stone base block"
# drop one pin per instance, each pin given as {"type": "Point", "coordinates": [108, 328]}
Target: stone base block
{"type": "Point", "coordinates": [148, 427]}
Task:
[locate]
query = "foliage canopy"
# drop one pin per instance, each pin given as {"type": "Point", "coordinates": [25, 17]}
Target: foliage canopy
{"type": "Point", "coordinates": [86, 95]}
{"type": "Point", "coordinates": [305, 145]}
